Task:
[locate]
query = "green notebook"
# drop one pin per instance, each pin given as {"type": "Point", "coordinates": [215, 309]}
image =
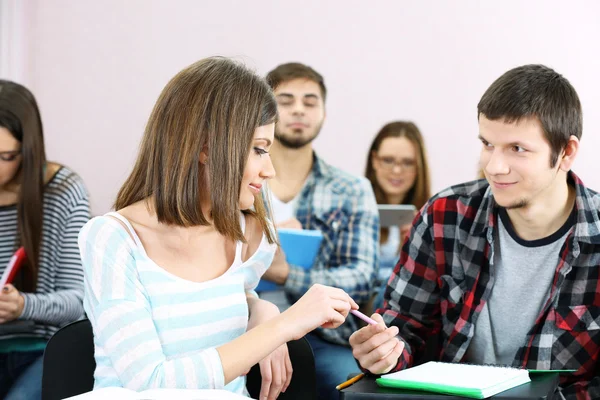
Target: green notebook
{"type": "Point", "coordinates": [467, 380]}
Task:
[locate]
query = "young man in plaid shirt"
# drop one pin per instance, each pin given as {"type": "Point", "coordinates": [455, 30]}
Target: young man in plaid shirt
{"type": "Point", "coordinates": [308, 193]}
{"type": "Point", "coordinates": [504, 270]}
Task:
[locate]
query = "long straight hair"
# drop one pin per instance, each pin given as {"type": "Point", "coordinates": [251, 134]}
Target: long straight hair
{"type": "Point", "coordinates": [212, 106]}
{"type": "Point", "coordinates": [20, 115]}
{"type": "Point", "coordinates": [420, 192]}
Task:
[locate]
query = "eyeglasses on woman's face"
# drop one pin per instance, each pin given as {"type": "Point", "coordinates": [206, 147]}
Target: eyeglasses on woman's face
{"type": "Point", "coordinates": [389, 163]}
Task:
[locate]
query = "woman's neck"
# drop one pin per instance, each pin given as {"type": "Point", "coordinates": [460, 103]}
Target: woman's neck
{"type": "Point", "coordinates": [9, 193]}
{"type": "Point", "coordinates": [396, 199]}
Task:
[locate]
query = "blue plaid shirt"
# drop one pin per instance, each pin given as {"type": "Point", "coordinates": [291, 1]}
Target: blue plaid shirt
{"type": "Point", "coordinates": [343, 208]}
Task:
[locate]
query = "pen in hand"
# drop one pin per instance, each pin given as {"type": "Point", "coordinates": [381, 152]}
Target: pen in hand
{"type": "Point", "coordinates": [358, 377]}
{"type": "Point", "coordinates": [362, 316]}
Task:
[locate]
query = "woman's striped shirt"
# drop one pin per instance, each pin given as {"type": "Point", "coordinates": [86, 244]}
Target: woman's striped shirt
{"type": "Point", "coordinates": [58, 297]}
{"type": "Point", "coordinates": [153, 329]}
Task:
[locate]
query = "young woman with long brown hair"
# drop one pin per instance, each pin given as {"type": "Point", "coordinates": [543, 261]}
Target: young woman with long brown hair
{"type": "Point", "coordinates": [43, 205]}
{"type": "Point", "coordinates": [170, 275]}
{"type": "Point", "coordinates": [398, 171]}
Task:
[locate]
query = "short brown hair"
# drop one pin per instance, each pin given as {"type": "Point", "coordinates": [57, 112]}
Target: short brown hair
{"type": "Point", "coordinates": [213, 105]}
{"type": "Point", "coordinates": [536, 91]}
{"type": "Point", "coordinates": [287, 72]}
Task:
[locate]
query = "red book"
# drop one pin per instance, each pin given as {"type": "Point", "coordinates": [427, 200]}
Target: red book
{"type": "Point", "coordinates": [13, 267]}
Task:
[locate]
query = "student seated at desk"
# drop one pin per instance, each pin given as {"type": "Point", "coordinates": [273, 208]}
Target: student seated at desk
{"type": "Point", "coordinates": [170, 276]}
{"type": "Point", "coordinates": [504, 270]}
{"type": "Point", "coordinates": [399, 174]}
{"type": "Point", "coordinates": [309, 193]}
{"type": "Point", "coordinates": [43, 205]}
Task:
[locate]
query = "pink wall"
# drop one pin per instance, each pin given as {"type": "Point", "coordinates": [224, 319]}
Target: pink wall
{"type": "Point", "coordinates": [98, 66]}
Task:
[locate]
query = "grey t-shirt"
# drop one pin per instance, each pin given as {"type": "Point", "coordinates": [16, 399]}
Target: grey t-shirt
{"type": "Point", "coordinates": [523, 272]}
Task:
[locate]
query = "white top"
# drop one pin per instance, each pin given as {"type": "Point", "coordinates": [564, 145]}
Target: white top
{"type": "Point", "coordinates": [153, 329]}
{"type": "Point", "coordinates": [283, 211]}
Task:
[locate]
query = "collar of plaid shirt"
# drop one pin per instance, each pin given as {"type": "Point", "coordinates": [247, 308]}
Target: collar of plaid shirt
{"type": "Point", "coordinates": [446, 277]}
{"type": "Point", "coordinates": [587, 202]}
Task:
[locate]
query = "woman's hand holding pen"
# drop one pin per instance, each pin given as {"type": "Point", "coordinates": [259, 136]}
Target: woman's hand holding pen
{"type": "Point", "coordinates": [376, 347]}
{"type": "Point", "coordinates": [321, 306]}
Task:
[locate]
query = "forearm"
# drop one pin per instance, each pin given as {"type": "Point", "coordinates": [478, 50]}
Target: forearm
{"type": "Point", "coordinates": [260, 311]}
{"type": "Point", "coordinates": [239, 355]}
{"type": "Point", "coordinates": [57, 308]}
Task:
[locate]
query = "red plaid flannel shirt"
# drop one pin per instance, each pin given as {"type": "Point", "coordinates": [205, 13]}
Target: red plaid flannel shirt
{"type": "Point", "coordinates": [443, 280]}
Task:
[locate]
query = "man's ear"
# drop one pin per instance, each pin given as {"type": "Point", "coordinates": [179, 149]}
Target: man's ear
{"type": "Point", "coordinates": [569, 154]}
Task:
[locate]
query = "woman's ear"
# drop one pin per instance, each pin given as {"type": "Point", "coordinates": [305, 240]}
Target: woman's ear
{"type": "Point", "coordinates": [569, 154]}
{"type": "Point", "coordinates": [204, 155]}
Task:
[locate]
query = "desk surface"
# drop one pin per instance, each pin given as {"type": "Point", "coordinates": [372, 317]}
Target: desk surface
{"type": "Point", "coordinates": [541, 387]}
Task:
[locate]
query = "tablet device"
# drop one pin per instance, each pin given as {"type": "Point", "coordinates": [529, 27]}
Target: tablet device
{"type": "Point", "coordinates": [396, 214]}
{"type": "Point", "coordinates": [301, 247]}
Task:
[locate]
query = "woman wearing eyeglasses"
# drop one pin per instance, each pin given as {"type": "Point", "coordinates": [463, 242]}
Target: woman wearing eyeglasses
{"type": "Point", "coordinates": [398, 171]}
{"type": "Point", "coordinates": [43, 206]}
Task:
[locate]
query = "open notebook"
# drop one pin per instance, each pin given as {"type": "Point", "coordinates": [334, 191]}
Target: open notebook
{"type": "Point", "coordinates": [468, 380]}
{"type": "Point", "coordinates": [116, 393]}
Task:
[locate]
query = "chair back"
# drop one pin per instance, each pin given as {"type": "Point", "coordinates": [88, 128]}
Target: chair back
{"type": "Point", "coordinates": [69, 362]}
{"type": "Point", "coordinates": [303, 385]}
{"type": "Point", "coordinates": [69, 366]}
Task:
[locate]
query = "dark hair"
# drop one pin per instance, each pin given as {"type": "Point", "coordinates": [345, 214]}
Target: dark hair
{"type": "Point", "coordinates": [287, 72]}
{"type": "Point", "coordinates": [540, 92]}
{"type": "Point", "coordinates": [421, 190]}
{"type": "Point", "coordinates": [214, 105]}
{"type": "Point", "coordinates": [20, 115]}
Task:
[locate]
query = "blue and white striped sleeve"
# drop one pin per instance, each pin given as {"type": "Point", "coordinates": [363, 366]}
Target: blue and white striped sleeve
{"type": "Point", "coordinates": [121, 316]}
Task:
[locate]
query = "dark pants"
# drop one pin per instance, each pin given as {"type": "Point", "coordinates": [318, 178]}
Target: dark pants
{"type": "Point", "coordinates": [333, 363]}
{"type": "Point", "coordinates": [21, 375]}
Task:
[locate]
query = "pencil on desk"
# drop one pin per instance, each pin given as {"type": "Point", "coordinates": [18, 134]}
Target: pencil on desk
{"type": "Point", "coordinates": [350, 381]}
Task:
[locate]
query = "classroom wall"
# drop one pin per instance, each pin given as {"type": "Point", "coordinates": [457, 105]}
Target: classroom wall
{"type": "Point", "coordinates": [97, 68]}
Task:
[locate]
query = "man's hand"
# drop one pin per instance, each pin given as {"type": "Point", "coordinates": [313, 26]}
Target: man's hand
{"type": "Point", "coordinates": [11, 304]}
{"type": "Point", "coordinates": [279, 270]}
{"type": "Point", "coordinates": [376, 347]}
